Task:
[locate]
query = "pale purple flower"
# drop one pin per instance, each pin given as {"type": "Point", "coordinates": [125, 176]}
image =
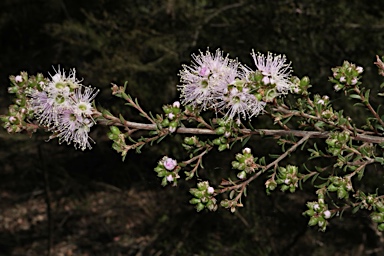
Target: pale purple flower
{"type": "Point", "coordinates": [81, 136]}
{"type": "Point", "coordinates": [240, 103]}
{"type": "Point", "coordinates": [169, 163]}
{"type": "Point", "coordinates": [327, 214]}
{"type": "Point", "coordinates": [359, 70]}
{"type": "Point", "coordinates": [246, 151]}
{"type": "Point", "coordinates": [337, 87]}
{"type": "Point", "coordinates": [210, 190]}
{"type": "Point", "coordinates": [69, 122]}
{"type": "Point", "coordinates": [12, 119]}
{"type": "Point", "coordinates": [170, 178]}
{"type": "Point", "coordinates": [321, 102]}
{"type": "Point", "coordinates": [18, 79]}
{"type": "Point", "coordinates": [43, 107]}
{"type": "Point", "coordinates": [176, 104]}
{"type": "Point", "coordinates": [204, 81]}
{"type": "Point", "coordinates": [172, 129]}
{"type": "Point", "coordinates": [81, 100]}
{"type": "Point", "coordinates": [241, 175]}
{"type": "Point", "coordinates": [64, 106]}
{"type": "Point", "coordinates": [171, 116]}
{"type": "Point", "coordinates": [275, 70]}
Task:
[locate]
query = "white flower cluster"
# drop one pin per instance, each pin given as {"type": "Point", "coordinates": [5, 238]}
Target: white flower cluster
{"type": "Point", "coordinates": [216, 82]}
{"type": "Point", "coordinates": [64, 106]}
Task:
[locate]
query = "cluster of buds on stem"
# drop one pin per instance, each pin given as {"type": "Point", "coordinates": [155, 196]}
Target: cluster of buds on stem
{"type": "Point", "coordinates": [203, 197]}
{"type": "Point", "coordinates": [346, 75]}
{"type": "Point", "coordinates": [318, 212]}
{"type": "Point", "coordinates": [288, 178]}
{"type": "Point", "coordinates": [337, 142]}
{"type": "Point", "coordinates": [172, 116]}
{"type": "Point", "coordinates": [118, 139]}
{"type": "Point", "coordinates": [245, 163]}
{"type": "Point", "coordinates": [19, 112]}
{"type": "Point", "coordinates": [226, 129]}
{"type": "Point", "coordinates": [340, 185]}
{"type": "Point", "coordinates": [378, 215]}
{"type": "Point", "coordinates": [301, 86]}
{"type": "Point", "coordinates": [168, 169]}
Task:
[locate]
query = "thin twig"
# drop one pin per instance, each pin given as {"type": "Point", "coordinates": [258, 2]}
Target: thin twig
{"type": "Point", "coordinates": [261, 132]}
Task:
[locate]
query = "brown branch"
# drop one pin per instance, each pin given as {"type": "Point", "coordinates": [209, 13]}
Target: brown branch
{"type": "Point", "coordinates": [261, 132]}
{"type": "Point", "coordinates": [273, 164]}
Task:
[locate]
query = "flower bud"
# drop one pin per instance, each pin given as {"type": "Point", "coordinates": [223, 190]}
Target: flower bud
{"type": "Point", "coordinates": [169, 163]}
{"type": "Point", "coordinates": [313, 221]}
{"type": "Point", "coordinates": [380, 206]}
{"type": "Point", "coordinates": [342, 193]}
{"type": "Point", "coordinates": [176, 104]}
{"type": "Point", "coordinates": [235, 164]}
{"type": "Point", "coordinates": [242, 175]}
{"type": "Point", "coordinates": [327, 214]}
{"type": "Point", "coordinates": [217, 141]}
{"type": "Point", "coordinates": [309, 212]}
{"type": "Point", "coordinates": [225, 203]}
{"type": "Point", "coordinates": [114, 130]}
{"type": "Point", "coordinates": [304, 81]}
{"type": "Point", "coordinates": [159, 168]}
{"type": "Point", "coordinates": [194, 201]}
{"type": "Point", "coordinates": [211, 206]}
{"type": "Point", "coordinates": [220, 130]}
{"type": "Point", "coordinates": [202, 185]}
{"type": "Point", "coordinates": [200, 207]}
{"type": "Point", "coordinates": [112, 136]}
{"type": "Point", "coordinates": [167, 109]}
{"type": "Point", "coordinates": [189, 140]}
{"type": "Point", "coordinates": [173, 127]}
{"type": "Point", "coordinates": [377, 217]}
{"type": "Point", "coordinates": [210, 190]}
{"type": "Point", "coordinates": [246, 151]}
{"type": "Point", "coordinates": [165, 122]}
{"type": "Point", "coordinates": [332, 188]}
{"type": "Point", "coordinates": [223, 147]}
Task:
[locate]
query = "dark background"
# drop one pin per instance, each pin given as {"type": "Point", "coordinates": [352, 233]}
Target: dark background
{"type": "Point", "coordinates": [54, 198]}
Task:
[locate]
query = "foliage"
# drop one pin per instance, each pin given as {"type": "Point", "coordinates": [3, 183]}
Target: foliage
{"type": "Point", "coordinates": [145, 42]}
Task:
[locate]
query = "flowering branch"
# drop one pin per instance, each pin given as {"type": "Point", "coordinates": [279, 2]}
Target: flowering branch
{"type": "Point", "coordinates": [235, 95]}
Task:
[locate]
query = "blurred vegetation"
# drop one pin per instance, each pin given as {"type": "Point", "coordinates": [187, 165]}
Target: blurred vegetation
{"type": "Point", "coordinates": [102, 206]}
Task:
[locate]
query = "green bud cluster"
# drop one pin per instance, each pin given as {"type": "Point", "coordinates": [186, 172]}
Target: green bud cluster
{"type": "Point", "coordinates": [230, 204]}
{"type": "Point", "coordinates": [203, 197]}
{"type": "Point", "coordinates": [318, 213]}
{"type": "Point", "coordinates": [346, 75]}
{"type": "Point", "coordinates": [340, 185]}
{"type": "Point", "coordinates": [226, 129]}
{"type": "Point", "coordinates": [301, 85]}
{"type": "Point", "coordinates": [172, 116]}
{"type": "Point", "coordinates": [19, 112]}
{"type": "Point", "coordinates": [337, 142]}
{"type": "Point", "coordinates": [288, 178]}
{"type": "Point", "coordinates": [167, 175]}
{"type": "Point", "coordinates": [378, 215]}
{"type": "Point", "coordinates": [270, 185]}
{"type": "Point", "coordinates": [245, 163]}
{"type": "Point", "coordinates": [118, 139]}
{"type": "Point", "coordinates": [369, 202]}
{"type": "Point", "coordinates": [191, 143]}
{"type": "Point", "coordinates": [374, 203]}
